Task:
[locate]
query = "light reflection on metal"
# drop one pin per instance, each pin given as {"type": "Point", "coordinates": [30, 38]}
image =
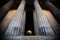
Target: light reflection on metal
{"type": "Point", "coordinates": [51, 20]}
{"type": "Point", "coordinates": [29, 32]}
{"type": "Point", "coordinates": [5, 22]}
{"type": "Point", "coordinates": [14, 10]}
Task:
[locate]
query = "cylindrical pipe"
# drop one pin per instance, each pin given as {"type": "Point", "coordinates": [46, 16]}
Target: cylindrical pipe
{"type": "Point", "coordinates": [36, 28]}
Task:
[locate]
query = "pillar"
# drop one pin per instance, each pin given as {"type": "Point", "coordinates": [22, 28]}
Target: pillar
{"type": "Point", "coordinates": [16, 26]}
{"type": "Point", "coordinates": [43, 23]}
{"type": "Point", "coordinates": [55, 11]}
{"type": "Point", "coordinates": [5, 9]}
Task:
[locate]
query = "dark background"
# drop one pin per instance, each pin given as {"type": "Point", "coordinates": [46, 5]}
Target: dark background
{"type": "Point", "coordinates": [55, 2]}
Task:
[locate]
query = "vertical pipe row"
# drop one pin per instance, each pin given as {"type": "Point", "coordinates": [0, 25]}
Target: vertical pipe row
{"type": "Point", "coordinates": [44, 25]}
{"type": "Point", "coordinates": [16, 25]}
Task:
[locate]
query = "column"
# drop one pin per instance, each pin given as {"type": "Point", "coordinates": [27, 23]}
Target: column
{"type": "Point", "coordinates": [55, 11]}
{"type": "Point", "coordinates": [16, 26]}
{"type": "Point", "coordinates": [43, 23]}
{"type": "Point", "coordinates": [5, 9]}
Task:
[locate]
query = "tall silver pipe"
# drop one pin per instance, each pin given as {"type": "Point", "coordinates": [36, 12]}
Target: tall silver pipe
{"type": "Point", "coordinates": [36, 30]}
